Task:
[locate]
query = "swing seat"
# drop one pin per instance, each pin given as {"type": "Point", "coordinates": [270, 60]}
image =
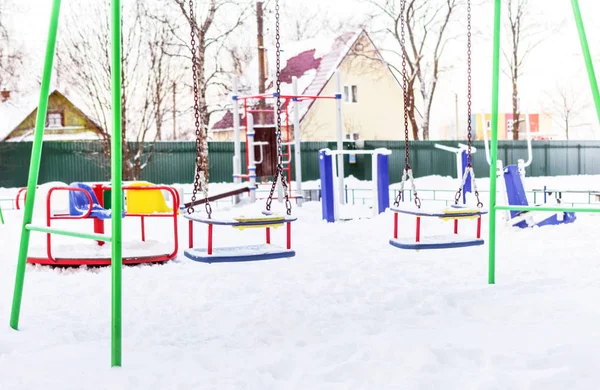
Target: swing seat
{"type": "Point", "coordinates": [436, 242]}
{"type": "Point", "coordinates": [255, 222]}
{"type": "Point", "coordinates": [236, 254]}
{"type": "Point", "coordinates": [448, 213]}
{"type": "Point", "coordinates": [242, 222]}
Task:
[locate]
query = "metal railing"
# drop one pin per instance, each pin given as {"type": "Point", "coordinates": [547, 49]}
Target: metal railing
{"type": "Point", "coordinates": [363, 196]}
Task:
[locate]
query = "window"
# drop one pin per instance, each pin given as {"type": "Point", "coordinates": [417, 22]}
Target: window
{"type": "Point", "coordinates": [351, 94]}
{"type": "Point", "coordinates": [510, 124]}
{"type": "Point", "coordinates": [55, 119]}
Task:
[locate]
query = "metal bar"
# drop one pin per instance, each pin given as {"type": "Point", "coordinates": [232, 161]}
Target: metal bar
{"type": "Point", "coordinates": [117, 185]}
{"type": "Point", "coordinates": [494, 145]}
{"type": "Point", "coordinates": [60, 232]}
{"type": "Point", "coordinates": [34, 167]}
{"type": "Point", "coordinates": [297, 142]}
{"type": "Point", "coordinates": [550, 209]}
{"type": "Point", "coordinates": [237, 145]}
{"type": "Point", "coordinates": [1, 216]}
{"type": "Point", "coordinates": [586, 55]}
{"type": "Point", "coordinates": [340, 138]}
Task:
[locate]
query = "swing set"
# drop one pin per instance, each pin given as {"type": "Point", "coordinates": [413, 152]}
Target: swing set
{"type": "Point", "coordinates": [268, 220]}
{"type": "Point", "coordinates": [457, 211]}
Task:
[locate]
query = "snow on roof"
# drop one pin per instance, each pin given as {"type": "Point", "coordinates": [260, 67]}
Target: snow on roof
{"type": "Point", "coordinates": [19, 106]}
{"type": "Point", "coordinates": [13, 111]}
{"type": "Point", "coordinates": [312, 61]}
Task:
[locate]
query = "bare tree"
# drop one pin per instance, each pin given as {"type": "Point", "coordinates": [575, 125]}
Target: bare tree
{"type": "Point", "coordinates": [217, 59]}
{"type": "Point", "coordinates": [148, 73]}
{"type": "Point", "coordinates": [525, 35]}
{"type": "Point", "coordinates": [427, 34]}
{"type": "Point", "coordinates": [11, 54]}
{"type": "Point", "coordinates": [567, 106]}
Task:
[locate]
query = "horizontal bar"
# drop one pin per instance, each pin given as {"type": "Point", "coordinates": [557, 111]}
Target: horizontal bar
{"type": "Point", "coordinates": [549, 209]}
{"type": "Point", "coordinates": [46, 229]}
{"type": "Point", "coordinates": [592, 192]}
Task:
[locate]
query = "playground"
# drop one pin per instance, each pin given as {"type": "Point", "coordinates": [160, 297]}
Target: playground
{"type": "Point", "coordinates": [444, 282]}
{"type": "Point", "coordinates": [360, 314]}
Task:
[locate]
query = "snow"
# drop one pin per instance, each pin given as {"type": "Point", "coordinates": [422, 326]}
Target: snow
{"type": "Point", "coordinates": [349, 311]}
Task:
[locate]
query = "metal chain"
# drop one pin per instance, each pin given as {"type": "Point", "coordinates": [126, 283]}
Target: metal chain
{"type": "Point", "coordinates": [201, 177]}
{"type": "Point", "coordinates": [469, 168]}
{"type": "Point", "coordinates": [279, 175]}
{"type": "Point", "coordinates": [407, 168]}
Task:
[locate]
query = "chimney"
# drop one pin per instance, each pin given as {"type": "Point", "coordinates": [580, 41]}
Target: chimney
{"type": "Point", "coordinates": [4, 95]}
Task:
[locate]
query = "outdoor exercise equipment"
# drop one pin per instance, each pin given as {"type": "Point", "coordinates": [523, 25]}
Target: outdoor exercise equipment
{"type": "Point", "coordinates": [268, 219]}
{"type": "Point", "coordinates": [513, 190]}
{"type": "Point", "coordinates": [329, 171]}
{"type": "Point", "coordinates": [286, 101]}
{"type": "Point", "coordinates": [116, 182]}
{"type": "Point", "coordinates": [462, 161]}
{"type": "Point", "coordinates": [494, 139]}
{"type": "Point", "coordinates": [456, 212]}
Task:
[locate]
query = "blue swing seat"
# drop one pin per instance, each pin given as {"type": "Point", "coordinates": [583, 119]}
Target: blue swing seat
{"type": "Point", "coordinates": [436, 242]}
{"type": "Point", "coordinates": [236, 254]}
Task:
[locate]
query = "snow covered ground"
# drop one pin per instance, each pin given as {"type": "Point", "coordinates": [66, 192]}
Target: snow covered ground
{"type": "Point", "coordinates": [348, 312]}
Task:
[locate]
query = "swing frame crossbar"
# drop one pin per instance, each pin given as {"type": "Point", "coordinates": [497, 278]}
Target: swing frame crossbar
{"type": "Point", "coordinates": [494, 138]}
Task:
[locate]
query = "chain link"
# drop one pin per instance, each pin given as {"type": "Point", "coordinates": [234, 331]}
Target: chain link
{"type": "Point", "coordinates": [279, 175]}
{"type": "Point", "coordinates": [469, 168]}
{"type": "Point", "coordinates": [407, 168]}
{"type": "Point", "coordinates": [201, 176]}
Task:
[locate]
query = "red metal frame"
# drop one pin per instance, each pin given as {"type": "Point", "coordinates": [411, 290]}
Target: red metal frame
{"type": "Point", "coordinates": [51, 260]}
{"type": "Point", "coordinates": [285, 105]}
{"type": "Point", "coordinates": [23, 190]}
{"type": "Point", "coordinates": [211, 234]}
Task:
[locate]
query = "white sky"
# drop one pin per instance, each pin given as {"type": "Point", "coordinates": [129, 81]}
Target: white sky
{"type": "Point", "coordinates": [556, 61]}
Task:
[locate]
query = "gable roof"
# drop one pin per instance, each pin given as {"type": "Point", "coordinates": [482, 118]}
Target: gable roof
{"type": "Point", "coordinates": [18, 108]}
{"type": "Point", "coordinates": [313, 62]}
{"type": "Point", "coordinates": [13, 112]}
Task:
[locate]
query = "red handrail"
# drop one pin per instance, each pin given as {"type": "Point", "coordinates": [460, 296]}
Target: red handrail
{"type": "Point", "coordinates": [174, 213]}
{"type": "Point", "coordinates": [50, 217]}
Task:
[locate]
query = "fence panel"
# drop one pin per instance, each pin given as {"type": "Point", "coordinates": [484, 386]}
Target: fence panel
{"type": "Point", "coordinates": [173, 162]}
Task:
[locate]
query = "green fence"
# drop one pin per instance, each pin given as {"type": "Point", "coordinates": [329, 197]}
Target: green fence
{"type": "Point", "coordinates": [173, 162]}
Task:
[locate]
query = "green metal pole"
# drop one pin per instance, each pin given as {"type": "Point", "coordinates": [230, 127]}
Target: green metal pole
{"type": "Point", "coordinates": [586, 55]}
{"type": "Point", "coordinates": [494, 145]}
{"type": "Point", "coordinates": [117, 187]}
{"type": "Point", "coordinates": [1, 216]}
{"type": "Point", "coordinates": [34, 166]}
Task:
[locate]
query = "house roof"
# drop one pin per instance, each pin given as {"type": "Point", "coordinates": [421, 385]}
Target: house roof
{"type": "Point", "coordinates": [16, 109]}
{"type": "Point", "coordinates": [313, 62]}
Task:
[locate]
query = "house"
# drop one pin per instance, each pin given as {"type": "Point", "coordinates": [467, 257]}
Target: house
{"type": "Point", "coordinates": [372, 95]}
{"type": "Point", "coordinates": [540, 126]}
{"type": "Point", "coordinates": [64, 121]}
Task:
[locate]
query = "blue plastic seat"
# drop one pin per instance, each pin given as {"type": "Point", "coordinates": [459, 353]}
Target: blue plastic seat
{"type": "Point", "coordinates": [79, 204]}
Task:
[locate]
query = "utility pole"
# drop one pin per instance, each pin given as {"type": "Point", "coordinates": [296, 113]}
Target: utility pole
{"type": "Point", "coordinates": [456, 114]}
{"type": "Point", "coordinates": [174, 110]}
{"type": "Point", "coordinates": [262, 78]}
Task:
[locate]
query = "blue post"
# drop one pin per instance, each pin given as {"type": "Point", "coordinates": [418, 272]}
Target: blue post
{"type": "Point", "coordinates": [545, 200]}
{"type": "Point", "coordinates": [327, 196]}
{"type": "Point", "coordinates": [383, 183]}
